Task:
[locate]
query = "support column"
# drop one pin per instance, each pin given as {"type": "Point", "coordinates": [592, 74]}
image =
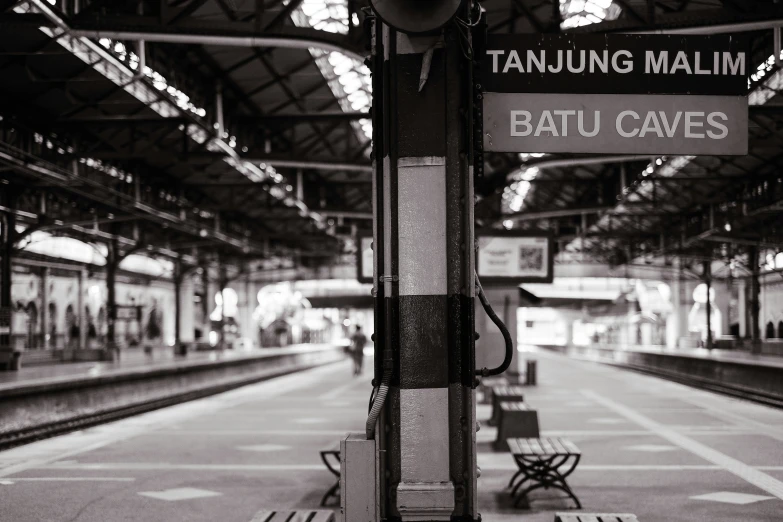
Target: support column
{"type": "Point", "coordinates": [6, 251]}
{"type": "Point", "coordinates": [45, 319]}
{"type": "Point", "coordinates": [677, 322]}
{"type": "Point", "coordinates": [81, 313]}
{"type": "Point", "coordinates": [247, 308]}
{"type": "Point", "coordinates": [742, 308]}
{"type": "Point", "coordinates": [425, 215]}
{"type": "Point", "coordinates": [178, 306]}
{"type": "Point", "coordinates": [708, 306]}
{"type": "Point", "coordinates": [187, 310]}
{"type": "Point", "coordinates": [723, 303]}
{"type": "Point", "coordinates": [206, 304]}
{"type": "Point", "coordinates": [112, 260]}
{"type": "Point", "coordinates": [755, 332]}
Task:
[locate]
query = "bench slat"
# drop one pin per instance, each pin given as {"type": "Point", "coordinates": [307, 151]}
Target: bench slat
{"type": "Point", "coordinates": [570, 446]}
{"type": "Point", "coordinates": [595, 517]}
{"type": "Point", "coordinates": [557, 444]}
{"type": "Point", "coordinates": [323, 515]}
{"type": "Point", "coordinates": [535, 445]}
{"type": "Point", "coordinates": [543, 447]}
{"type": "Point", "coordinates": [262, 516]}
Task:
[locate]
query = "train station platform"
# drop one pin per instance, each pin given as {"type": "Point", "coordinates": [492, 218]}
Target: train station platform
{"type": "Point", "coordinates": [738, 373]}
{"type": "Point", "coordinates": [41, 401]}
{"type": "Point", "coordinates": [132, 362]}
{"type": "Point", "coordinates": [652, 447]}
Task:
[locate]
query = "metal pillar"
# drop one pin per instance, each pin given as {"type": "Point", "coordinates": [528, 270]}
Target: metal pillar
{"type": "Point", "coordinates": [8, 199]}
{"type": "Point", "coordinates": [81, 313]}
{"type": "Point", "coordinates": [708, 281]}
{"type": "Point", "coordinates": [177, 305]}
{"type": "Point", "coordinates": [206, 302]}
{"type": "Point", "coordinates": [424, 274]}
{"type": "Point", "coordinates": [45, 319]}
{"type": "Point", "coordinates": [755, 333]}
{"type": "Point", "coordinates": [112, 260]}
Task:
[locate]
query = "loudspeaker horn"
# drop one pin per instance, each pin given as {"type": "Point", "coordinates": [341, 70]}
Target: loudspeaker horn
{"type": "Point", "coordinates": [416, 16]}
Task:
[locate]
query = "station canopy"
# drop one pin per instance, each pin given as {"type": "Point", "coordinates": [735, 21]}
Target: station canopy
{"type": "Point", "coordinates": [241, 129]}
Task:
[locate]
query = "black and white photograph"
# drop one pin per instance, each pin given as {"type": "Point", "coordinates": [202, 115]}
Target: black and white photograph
{"type": "Point", "coordinates": [391, 261]}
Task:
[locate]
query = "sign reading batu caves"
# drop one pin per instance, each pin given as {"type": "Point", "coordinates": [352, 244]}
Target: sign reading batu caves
{"type": "Point", "coordinates": [619, 94]}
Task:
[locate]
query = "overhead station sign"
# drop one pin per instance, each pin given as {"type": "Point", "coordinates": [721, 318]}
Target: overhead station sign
{"type": "Point", "coordinates": [632, 94]}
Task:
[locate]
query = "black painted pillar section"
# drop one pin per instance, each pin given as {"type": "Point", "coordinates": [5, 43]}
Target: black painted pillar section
{"type": "Point", "coordinates": [755, 330]}
{"type": "Point", "coordinates": [708, 281]}
{"type": "Point", "coordinates": [112, 260]}
{"type": "Point", "coordinates": [7, 199]}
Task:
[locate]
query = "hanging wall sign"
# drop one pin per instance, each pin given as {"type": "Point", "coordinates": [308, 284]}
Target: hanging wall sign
{"type": "Point", "coordinates": [514, 257]}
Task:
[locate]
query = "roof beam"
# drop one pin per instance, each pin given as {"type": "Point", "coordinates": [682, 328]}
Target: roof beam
{"type": "Point", "coordinates": [703, 21]}
{"type": "Point", "coordinates": [293, 118]}
{"type": "Point", "coordinates": [234, 33]}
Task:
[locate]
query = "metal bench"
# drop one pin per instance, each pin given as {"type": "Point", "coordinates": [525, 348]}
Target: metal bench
{"type": "Point", "coordinates": [291, 515]}
{"type": "Point", "coordinates": [331, 458]}
{"type": "Point", "coordinates": [517, 420]}
{"type": "Point", "coordinates": [503, 394]}
{"type": "Point", "coordinates": [595, 517]}
{"type": "Point", "coordinates": [486, 385]}
{"type": "Point", "coordinates": [541, 463]}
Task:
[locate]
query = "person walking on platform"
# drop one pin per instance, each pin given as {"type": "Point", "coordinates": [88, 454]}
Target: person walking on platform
{"type": "Point", "coordinates": [358, 340]}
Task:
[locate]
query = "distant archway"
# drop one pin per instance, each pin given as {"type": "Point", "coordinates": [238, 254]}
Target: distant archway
{"type": "Point", "coordinates": [770, 333]}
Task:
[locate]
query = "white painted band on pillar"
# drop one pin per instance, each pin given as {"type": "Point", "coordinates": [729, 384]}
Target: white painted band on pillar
{"type": "Point", "coordinates": [424, 433]}
{"type": "Point", "coordinates": [421, 203]}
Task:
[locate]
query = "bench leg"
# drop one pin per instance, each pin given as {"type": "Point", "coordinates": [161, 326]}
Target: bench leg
{"type": "Point", "coordinates": [331, 493]}
{"type": "Point", "coordinates": [511, 482]}
{"type": "Point", "coordinates": [544, 473]}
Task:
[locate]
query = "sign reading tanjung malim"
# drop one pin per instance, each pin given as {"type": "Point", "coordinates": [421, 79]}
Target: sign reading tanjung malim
{"type": "Point", "coordinates": [632, 94]}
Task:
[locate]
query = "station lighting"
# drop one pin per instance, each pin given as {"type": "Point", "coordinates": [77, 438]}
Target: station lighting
{"type": "Point", "coordinates": [576, 13]}
{"type": "Point", "coordinates": [514, 195]}
{"type": "Point", "coordinates": [347, 78]}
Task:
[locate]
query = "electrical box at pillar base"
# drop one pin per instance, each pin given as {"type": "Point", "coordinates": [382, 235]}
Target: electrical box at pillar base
{"type": "Point", "coordinates": [617, 94]}
{"type": "Point", "coordinates": [359, 487]}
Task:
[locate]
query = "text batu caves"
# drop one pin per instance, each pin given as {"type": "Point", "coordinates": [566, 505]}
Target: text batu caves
{"type": "Point", "coordinates": [621, 61]}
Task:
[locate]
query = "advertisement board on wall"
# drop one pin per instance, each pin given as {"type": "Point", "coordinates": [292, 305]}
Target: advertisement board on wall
{"type": "Point", "coordinates": [364, 258]}
{"type": "Point", "coordinates": [514, 257]}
